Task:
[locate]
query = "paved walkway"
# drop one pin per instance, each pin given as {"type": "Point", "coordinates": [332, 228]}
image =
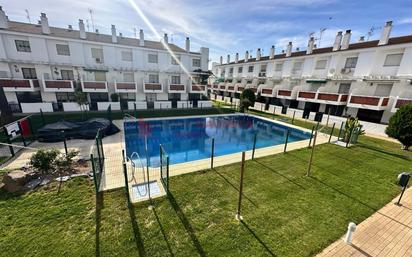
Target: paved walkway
{"type": "Point", "coordinates": [388, 232]}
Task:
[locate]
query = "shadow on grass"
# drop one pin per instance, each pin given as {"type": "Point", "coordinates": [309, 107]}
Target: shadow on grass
{"type": "Point", "coordinates": [163, 231]}
{"type": "Point", "coordinates": [99, 207]}
{"type": "Point", "coordinates": [136, 232]}
{"type": "Point", "coordinates": [280, 174]}
{"type": "Point", "coordinates": [237, 189]}
{"type": "Point", "coordinates": [258, 238]}
{"type": "Point", "coordinates": [186, 224]}
{"type": "Point", "coordinates": [400, 156]}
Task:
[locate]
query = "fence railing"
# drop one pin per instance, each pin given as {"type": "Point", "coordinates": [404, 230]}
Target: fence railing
{"type": "Point", "coordinates": [164, 168]}
{"type": "Point", "coordinates": [97, 160]}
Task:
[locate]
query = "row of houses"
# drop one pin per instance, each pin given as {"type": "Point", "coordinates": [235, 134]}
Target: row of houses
{"type": "Point", "coordinates": [366, 79]}
{"type": "Point", "coordinates": [45, 65]}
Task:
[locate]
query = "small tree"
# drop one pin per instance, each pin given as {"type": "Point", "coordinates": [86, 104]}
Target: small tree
{"type": "Point", "coordinates": [400, 126]}
{"type": "Point", "coordinates": [64, 162]}
{"type": "Point", "coordinates": [352, 127]}
{"type": "Point", "coordinates": [247, 99]}
{"type": "Point", "coordinates": [81, 100]}
{"type": "Point", "coordinates": [43, 160]}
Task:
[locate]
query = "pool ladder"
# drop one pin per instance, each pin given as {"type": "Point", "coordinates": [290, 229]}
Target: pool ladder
{"type": "Point", "coordinates": [134, 166]}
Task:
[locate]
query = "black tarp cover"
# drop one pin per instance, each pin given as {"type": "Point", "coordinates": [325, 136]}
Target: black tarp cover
{"type": "Point", "coordinates": [76, 130]}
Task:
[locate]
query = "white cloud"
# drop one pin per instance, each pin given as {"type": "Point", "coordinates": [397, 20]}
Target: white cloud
{"type": "Point", "coordinates": [405, 21]}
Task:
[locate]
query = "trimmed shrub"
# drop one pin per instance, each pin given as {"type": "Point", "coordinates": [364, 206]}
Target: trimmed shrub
{"type": "Point", "coordinates": [247, 99]}
{"type": "Point", "coordinates": [400, 126]}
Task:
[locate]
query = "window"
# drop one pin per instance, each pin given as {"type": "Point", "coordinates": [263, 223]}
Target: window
{"type": "Point", "coordinates": [297, 66]}
{"type": "Point", "coordinates": [393, 60]}
{"type": "Point", "coordinates": [99, 76]}
{"type": "Point", "coordinates": [263, 68]}
{"type": "Point", "coordinates": [65, 97]}
{"type": "Point", "coordinates": [97, 54]}
{"type": "Point", "coordinates": [154, 78]}
{"type": "Point", "coordinates": [29, 97]}
{"type": "Point", "coordinates": [99, 97]}
{"type": "Point", "coordinates": [231, 71]}
{"type": "Point", "coordinates": [344, 88]}
{"type": "Point", "coordinates": [127, 96]}
{"type": "Point", "coordinates": [127, 56]}
{"type": "Point", "coordinates": [240, 70]}
{"type": "Point", "coordinates": [128, 77]}
{"type": "Point", "coordinates": [22, 45]}
{"type": "Point", "coordinates": [152, 58]}
{"type": "Point", "coordinates": [351, 62]}
{"type": "Point", "coordinates": [321, 64]}
{"type": "Point", "coordinates": [175, 79]}
{"type": "Point", "coordinates": [278, 66]}
{"type": "Point", "coordinates": [174, 61]}
{"type": "Point", "coordinates": [196, 62]}
{"type": "Point", "coordinates": [62, 49]}
{"type": "Point", "coordinates": [67, 74]}
{"type": "Point", "coordinates": [29, 73]}
{"type": "Point", "coordinates": [250, 69]}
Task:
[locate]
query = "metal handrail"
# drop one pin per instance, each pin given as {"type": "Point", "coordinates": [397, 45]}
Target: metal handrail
{"type": "Point", "coordinates": [134, 166]}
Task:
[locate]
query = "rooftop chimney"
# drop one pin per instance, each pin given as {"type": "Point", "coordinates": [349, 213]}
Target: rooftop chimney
{"type": "Point", "coordinates": [45, 29]}
{"type": "Point", "coordinates": [228, 59]}
{"type": "Point", "coordinates": [114, 36]}
{"type": "Point", "coordinates": [70, 28]}
{"type": "Point", "coordinates": [311, 45]}
{"type": "Point", "coordinates": [237, 58]}
{"type": "Point", "coordinates": [346, 40]}
{"type": "Point", "coordinates": [221, 60]}
{"type": "Point", "coordinates": [386, 31]}
{"type": "Point", "coordinates": [361, 39]}
{"type": "Point", "coordinates": [289, 50]}
{"type": "Point", "coordinates": [82, 30]}
{"type": "Point", "coordinates": [166, 39]}
{"type": "Point", "coordinates": [272, 52]}
{"type": "Point", "coordinates": [247, 56]}
{"type": "Point", "coordinates": [338, 41]}
{"type": "Point", "coordinates": [141, 38]}
{"type": "Point", "coordinates": [258, 54]}
{"type": "Point", "coordinates": [187, 44]}
{"type": "Point", "coordinates": [4, 23]}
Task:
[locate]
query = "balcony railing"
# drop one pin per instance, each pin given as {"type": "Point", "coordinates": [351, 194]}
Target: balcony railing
{"type": "Point", "coordinates": [58, 86]}
{"type": "Point", "coordinates": [125, 87]}
{"type": "Point", "coordinates": [400, 102]}
{"type": "Point", "coordinates": [284, 93]}
{"type": "Point", "coordinates": [177, 87]}
{"type": "Point", "coordinates": [231, 88]}
{"type": "Point", "coordinates": [21, 85]}
{"type": "Point", "coordinates": [152, 87]}
{"type": "Point", "coordinates": [198, 88]}
{"type": "Point", "coordinates": [307, 94]}
{"type": "Point", "coordinates": [334, 97]}
{"type": "Point", "coordinates": [369, 102]}
{"type": "Point", "coordinates": [267, 91]}
{"type": "Point", "coordinates": [94, 86]}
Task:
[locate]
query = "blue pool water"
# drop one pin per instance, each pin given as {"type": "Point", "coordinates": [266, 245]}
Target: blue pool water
{"type": "Point", "coordinates": [190, 139]}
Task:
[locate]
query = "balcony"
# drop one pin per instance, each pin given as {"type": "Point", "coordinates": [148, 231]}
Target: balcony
{"type": "Point", "coordinates": [125, 87]}
{"type": "Point", "coordinates": [19, 85]}
{"type": "Point", "coordinates": [400, 102]}
{"type": "Point", "coordinates": [376, 103]}
{"type": "Point", "coordinates": [303, 95]}
{"type": "Point", "coordinates": [222, 86]}
{"type": "Point", "coordinates": [94, 86]}
{"type": "Point", "coordinates": [268, 92]}
{"type": "Point", "coordinates": [197, 88]}
{"type": "Point", "coordinates": [176, 88]}
{"type": "Point", "coordinates": [58, 86]}
{"type": "Point", "coordinates": [332, 98]}
{"type": "Point", "coordinates": [284, 93]}
{"type": "Point", "coordinates": [152, 88]}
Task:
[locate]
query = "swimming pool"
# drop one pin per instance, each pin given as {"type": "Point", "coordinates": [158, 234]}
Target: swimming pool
{"type": "Point", "coordinates": [188, 139]}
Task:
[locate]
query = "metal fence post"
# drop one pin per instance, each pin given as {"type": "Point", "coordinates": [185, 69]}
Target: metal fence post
{"type": "Point", "coordinates": [42, 117]}
{"type": "Point", "coordinates": [254, 146]}
{"type": "Point", "coordinates": [293, 118]}
{"type": "Point", "coordinates": [126, 182]}
{"type": "Point", "coordinates": [64, 142]}
{"type": "Point", "coordinates": [135, 111]}
{"type": "Point", "coordinates": [167, 174]}
{"type": "Point", "coordinates": [340, 130]}
{"type": "Point", "coordinates": [286, 141]}
{"type": "Point", "coordinates": [350, 137]}
{"type": "Point", "coordinates": [21, 133]}
{"type": "Point", "coordinates": [331, 132]}
{"type": "Point", "coordinates": [312, 153]}
{"type": "Point", "coordinates": [239, 205]}
{"type": "Point", "coordinates": [94, 173]}
{"type": "Point", "coordinates": [213, 152]}
{"type": "Point", "coordinates": [311, 136]}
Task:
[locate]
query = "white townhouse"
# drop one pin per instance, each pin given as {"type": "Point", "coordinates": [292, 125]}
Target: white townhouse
{"type": "Point", "coordinates": [366, 79]}
{"type": "Point", "coordinates": [45, 66]}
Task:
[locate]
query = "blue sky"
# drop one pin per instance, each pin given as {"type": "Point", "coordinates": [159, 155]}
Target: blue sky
{"type": "Point", "coordinates": [225, 26]}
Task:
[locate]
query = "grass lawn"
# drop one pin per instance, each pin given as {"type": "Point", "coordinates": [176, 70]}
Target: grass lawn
{"type": "Point", "coordinates": [285, 213]}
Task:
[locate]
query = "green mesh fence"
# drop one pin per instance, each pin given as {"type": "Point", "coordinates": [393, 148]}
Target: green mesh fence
{"type": "Point", "coordinates": [97, 160]}
{"type": "Point", "coordinates": [164, 168]}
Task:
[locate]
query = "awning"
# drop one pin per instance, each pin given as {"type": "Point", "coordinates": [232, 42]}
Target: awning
{"type": "Point", "coordinates": [95, 69]}
{"type": "Point", "coordinates": [316, 81]}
